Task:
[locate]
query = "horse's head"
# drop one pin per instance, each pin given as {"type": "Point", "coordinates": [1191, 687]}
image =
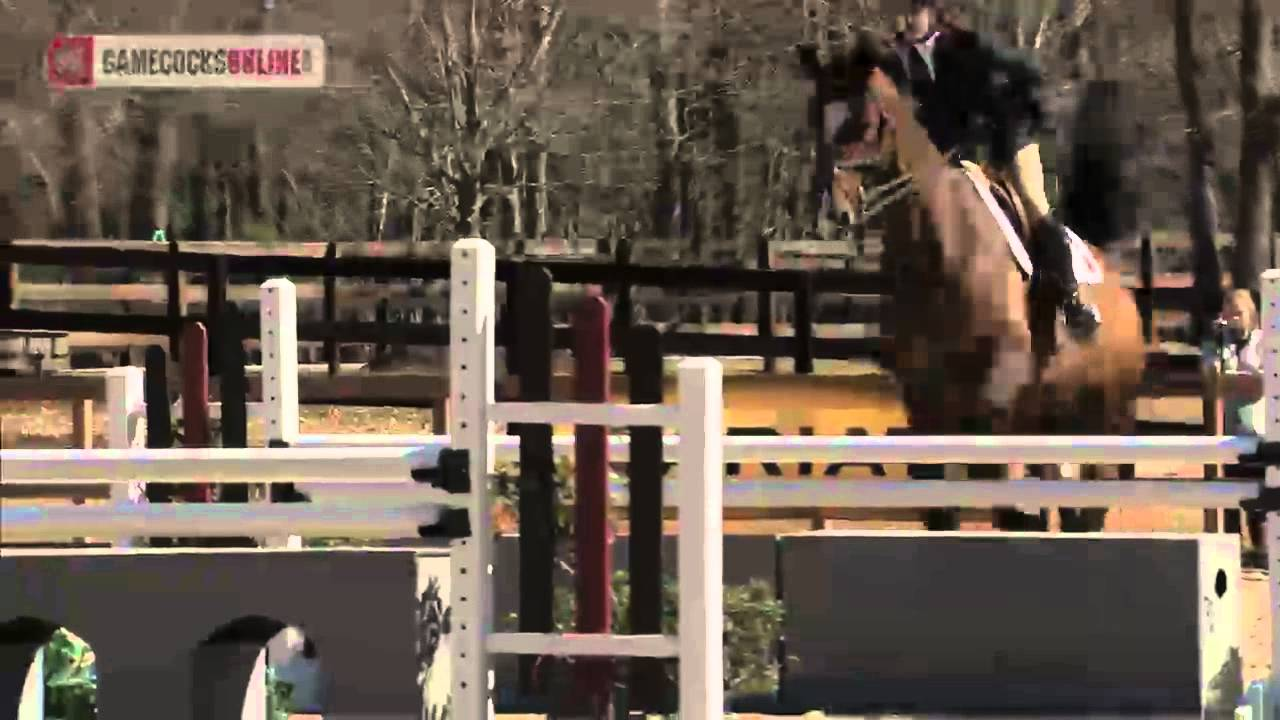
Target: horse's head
{"type": "Point", "coordinates": [854, 121]}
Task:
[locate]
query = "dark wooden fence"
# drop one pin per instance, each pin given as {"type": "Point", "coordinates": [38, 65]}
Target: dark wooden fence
{"type": "Point", "coordinates": [618, 277]}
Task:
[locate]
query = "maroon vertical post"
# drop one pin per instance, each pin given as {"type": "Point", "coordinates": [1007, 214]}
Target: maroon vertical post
{"type": "Point", "coordinates": [195, 399]}
{"type": "Point", "coordinates": [592, 539]}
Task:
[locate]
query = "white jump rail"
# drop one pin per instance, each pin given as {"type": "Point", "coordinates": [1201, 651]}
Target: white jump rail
{"type": "Point", "coordinates": [418, 504]}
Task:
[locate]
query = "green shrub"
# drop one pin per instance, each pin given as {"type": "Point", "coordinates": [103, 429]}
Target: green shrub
{"type": "Point", "coordinates": [70, 678]}
{"type": "Point", "coordinates": [279, 696]}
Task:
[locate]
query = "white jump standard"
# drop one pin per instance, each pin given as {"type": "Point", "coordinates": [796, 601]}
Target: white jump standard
{"type": "Point", "coordinates": [698, 419]}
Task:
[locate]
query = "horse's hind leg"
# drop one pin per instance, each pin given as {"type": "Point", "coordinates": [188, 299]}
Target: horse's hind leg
{"type": "Point", "coordinates": [941, 519]}
{"type": "Point", "coordinates": [1012, 519]}
{"type": "Point", "coordinates": [1088, 519]}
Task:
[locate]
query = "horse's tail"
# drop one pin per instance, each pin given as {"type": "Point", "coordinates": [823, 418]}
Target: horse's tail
{"type": "Point", "coordinates": [1101, 196]}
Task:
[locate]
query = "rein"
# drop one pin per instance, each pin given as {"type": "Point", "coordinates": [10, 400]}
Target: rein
{"type": "Point", "coordinates": [883, 195]}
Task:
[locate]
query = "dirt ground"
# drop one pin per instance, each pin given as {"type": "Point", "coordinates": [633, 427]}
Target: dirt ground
{"type": "Point", "coordinates": [829, 405]}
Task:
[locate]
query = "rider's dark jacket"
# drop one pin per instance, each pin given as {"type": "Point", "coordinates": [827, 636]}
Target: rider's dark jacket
{"type": "Point", "coordinates": [975, 93]}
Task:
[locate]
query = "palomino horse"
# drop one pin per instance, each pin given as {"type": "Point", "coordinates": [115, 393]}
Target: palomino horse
{"type": "Point", "coordinates": [974, 344]}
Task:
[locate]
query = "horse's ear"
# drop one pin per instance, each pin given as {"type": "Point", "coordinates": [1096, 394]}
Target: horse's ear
{"type": "Point", "coordinates": [807, 54]}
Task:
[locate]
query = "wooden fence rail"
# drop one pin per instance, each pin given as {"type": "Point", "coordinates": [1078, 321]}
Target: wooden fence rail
{"type": "Point", "coordinates": [619, 277]}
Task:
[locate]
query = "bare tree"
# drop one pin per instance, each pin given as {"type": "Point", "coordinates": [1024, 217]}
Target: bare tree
{"type": "Point", "coordinates": [1253, 251]}
{"type": "Point", "coordinates": [1202, 207]}
{"type": "Point", "coordinates": [75, 120]}
{"type": "Point", "coordinates": [155, 129]}
{"type": "Point", "coordinates": [485, 58]}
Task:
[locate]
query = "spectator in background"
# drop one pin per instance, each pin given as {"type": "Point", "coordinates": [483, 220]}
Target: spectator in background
{"type": "Point", "coordinates": [1239, 362]}
{"type": "Point", "coordinates": [1240, 371]}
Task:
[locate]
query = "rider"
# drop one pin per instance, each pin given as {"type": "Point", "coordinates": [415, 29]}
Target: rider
{"type": "Point", "coordinates": [968, 91]}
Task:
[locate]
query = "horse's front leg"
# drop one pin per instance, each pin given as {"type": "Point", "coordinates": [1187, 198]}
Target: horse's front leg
{"type": "Point", "coordinates": [1013, 519]}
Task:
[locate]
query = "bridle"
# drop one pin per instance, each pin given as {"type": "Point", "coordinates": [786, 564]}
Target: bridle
{"type": "Point", "coordinates": [882, 195]}
{"type": "Point", "coordinates": [879, 197]}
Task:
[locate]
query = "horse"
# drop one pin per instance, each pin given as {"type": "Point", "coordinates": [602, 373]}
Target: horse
{"type": "Point", "coordinates": [974, 341]}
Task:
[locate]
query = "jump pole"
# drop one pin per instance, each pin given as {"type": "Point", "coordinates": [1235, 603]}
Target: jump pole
{"type": "Point", "coordinates": [472, 320]}
{"type": "Point", "coordinates": [1270, 287]}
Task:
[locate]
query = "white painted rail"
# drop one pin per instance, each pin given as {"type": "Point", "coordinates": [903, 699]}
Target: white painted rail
{"type": "Point", "coordinates": [563, 413]}
{"type": "Point", "coordinates": [569, 645]}
{"type": "Point", "coordinates": [882, 448]}
{"type": "Point", "coordinates": [44, 524]}
{"type": "Point", "coordinates": [214, 465]}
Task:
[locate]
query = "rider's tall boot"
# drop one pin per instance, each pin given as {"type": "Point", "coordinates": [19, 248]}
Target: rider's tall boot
{"type": "Point", "coordinates": [1051, 245]}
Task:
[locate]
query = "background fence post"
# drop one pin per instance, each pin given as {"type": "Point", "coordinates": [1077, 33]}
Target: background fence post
{"type": "Point", "coordinates": [531, 329]}
{"type": "Point", "coordinates": [174, 299]}
{"type": "Point", "coordinates": [651, 691]}
{"type": "Point", "coordinates": [804, 325]}
{"type": "Point", "coordinates": [216, 310]}
{"type": "Point", "coordinates": [159, 415]}
{"type": "Point", "coordinates": [330, 310]}
{"type": "Point", "coordinates": [764, 306]}
{"type": "Point", "coordinates": [592, 534]}
{"type": "Point", "coordinates": [195, 400]}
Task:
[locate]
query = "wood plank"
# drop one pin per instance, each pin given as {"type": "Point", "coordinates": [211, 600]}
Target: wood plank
{"type": "Point", "coordinates": [82, 424]}
{"type": "Point", "coordinates": [60, 491]}
{"type": "Point", "coordinates": [54, 387]}
{"type": "Point", "coordinates": [158, 293]}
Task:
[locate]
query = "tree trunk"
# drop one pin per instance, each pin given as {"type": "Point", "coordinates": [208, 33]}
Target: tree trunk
{"type": "Point", "coordinates": [536, 206]}
{"type": "Point", "coordinates": [143, 125]}
{"type": "Point", "coordinates": [1202, 209]}
{"type": "Point", "coordinates": [203, 186]}
{"type": "Point", "coordinates": [264, 175]}
{"type": "Point", "coordinates": [156, 145]}
{"type": "Point", "coordinates": [81, 182]}
{"type": "Point", "coordinates": [383, 193]}
{"type": "Point", "coordinates": [1253, 226]}
{"type": "Point", "coordinates": [165, 166]}
{"type": "Point", "coordinates": [468, 188]}
{"type": "Point", "coordinates": [262, 170]}
{"type": "Point", "coordinates": [666, 132]}
{"type": "Point", "coordinates": [514, 176]}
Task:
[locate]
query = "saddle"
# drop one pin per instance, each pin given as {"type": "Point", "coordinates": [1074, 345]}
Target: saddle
{"type": "Point", "coordinates": [1010, 214]}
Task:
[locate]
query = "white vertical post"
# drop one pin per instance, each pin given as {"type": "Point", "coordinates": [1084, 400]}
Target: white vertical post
{"type": "Point", "coordinates": [701, 538]}
{"type": "Point", "coordinates": [472, 317]}
{"type": "Point", "coordinates": [126, 426]}
{"type": "Point", "coordinates": [1270, 287]}
{"type": "Point", "coordinates": [278, 333]}
{"type": "Point", "coordinates": [278, 315]}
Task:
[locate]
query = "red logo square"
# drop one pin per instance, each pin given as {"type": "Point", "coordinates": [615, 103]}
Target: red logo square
{"type": "Point", "coordinates": [70, 61]}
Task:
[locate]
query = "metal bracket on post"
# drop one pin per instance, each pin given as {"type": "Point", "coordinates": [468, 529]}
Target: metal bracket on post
{"type": "Point", "coordinates": [451, 474]}
{"type": "Point", "coordinates": [1267, 456]}
{"type": "Point", "coordinates": [1268, 500]}
{"type": "Point", "coordinates": [454, 523]}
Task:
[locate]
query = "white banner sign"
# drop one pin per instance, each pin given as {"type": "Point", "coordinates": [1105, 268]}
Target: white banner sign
{"type": "Point", "coordinates": [186, 61]}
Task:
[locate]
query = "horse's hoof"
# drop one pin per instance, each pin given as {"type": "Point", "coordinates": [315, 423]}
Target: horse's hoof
{"type": "Point", "coordinates": [942, 520]}
{"type": "Point", "coordinates": [1011, 520]}
{"type": "Point", "coordinates": [1082, 520]}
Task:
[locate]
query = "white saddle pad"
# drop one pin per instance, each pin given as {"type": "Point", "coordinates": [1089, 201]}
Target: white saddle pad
{"type": "Point", "coordinates": [1085, 266]}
